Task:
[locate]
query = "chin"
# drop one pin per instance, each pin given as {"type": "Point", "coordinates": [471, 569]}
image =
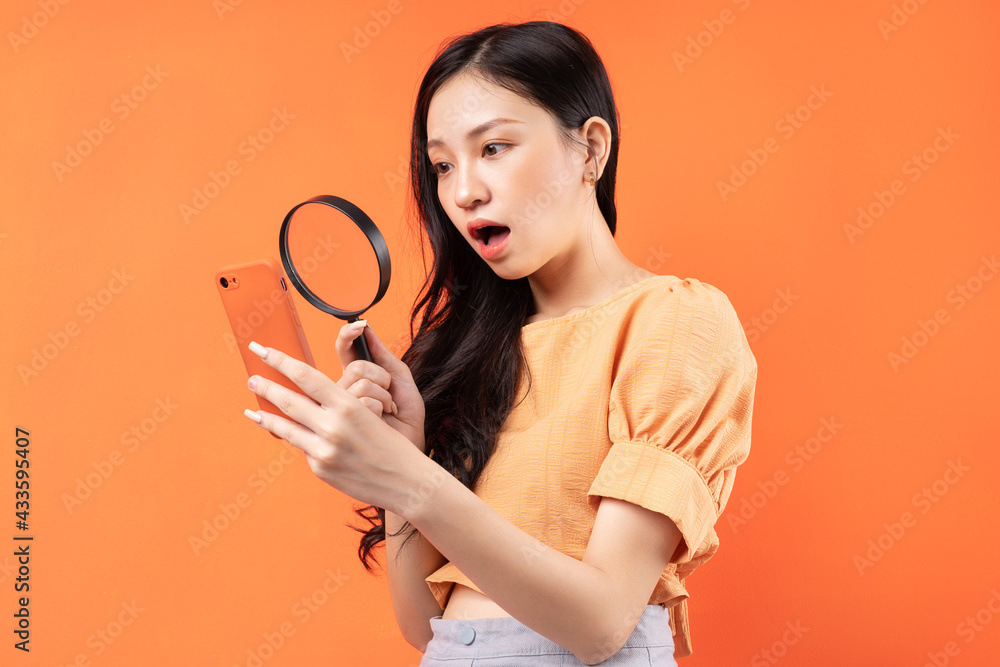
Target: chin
{"type": "Point", "coordinates": [508, 272]}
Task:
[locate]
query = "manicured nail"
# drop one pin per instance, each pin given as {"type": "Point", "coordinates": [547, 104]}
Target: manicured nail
{"type": "Point", "coordinates": [252, 415]}
{"type": "Point", "coordinates": [360, 324]}
{"type": "Point", "coordinates": [252, 382]}
{"type": "Point", "coordinates": [395, 410]}
{"type": "Point", "coordinates": [257, 349]}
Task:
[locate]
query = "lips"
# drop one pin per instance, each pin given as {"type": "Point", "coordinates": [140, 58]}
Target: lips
{"type": "Point", "coordinates": [487, 230]}
{"type": "Point", "coordinates": [492, 236]}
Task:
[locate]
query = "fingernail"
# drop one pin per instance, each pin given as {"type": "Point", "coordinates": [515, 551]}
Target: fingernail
{"type": "Point", "coordinates": [252, 382]}
{"type": "Point", "coordinates": [257, 349]}
{"type": "Point", "coordinates": [254, 417]}
{"type": "Point", "coordinates": [395, 410]}
{"type": "Point", "coordinates": [360, 324]}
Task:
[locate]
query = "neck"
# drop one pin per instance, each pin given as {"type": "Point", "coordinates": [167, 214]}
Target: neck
{"type": "Point", "coordinates": [592, 271]}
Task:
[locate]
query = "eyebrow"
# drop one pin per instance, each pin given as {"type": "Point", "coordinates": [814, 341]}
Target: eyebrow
{"type": "Point", "coordinates": [479, 129]}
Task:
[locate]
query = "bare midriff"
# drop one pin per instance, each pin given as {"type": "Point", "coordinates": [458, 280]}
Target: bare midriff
{"type": "Point", "coordinates": [466, 603]}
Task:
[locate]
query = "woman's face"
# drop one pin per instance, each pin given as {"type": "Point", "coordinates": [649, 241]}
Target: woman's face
{"type": "Point", "coordinates": [501, 160]}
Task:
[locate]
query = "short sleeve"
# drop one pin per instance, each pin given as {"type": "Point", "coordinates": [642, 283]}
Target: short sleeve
{"type": "Point", "coordinates": [679, 412]}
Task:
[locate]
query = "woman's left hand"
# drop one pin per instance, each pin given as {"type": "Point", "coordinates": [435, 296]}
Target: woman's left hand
{"type": "Point", "coordinates": [346, 444]}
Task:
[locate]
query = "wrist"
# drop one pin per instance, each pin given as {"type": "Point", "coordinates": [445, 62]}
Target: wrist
{"type": "Point", "coordinates": [425, 479]}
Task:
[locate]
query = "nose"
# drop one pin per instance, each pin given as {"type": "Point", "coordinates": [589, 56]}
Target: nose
{"type": "Point", "coordinates": [470, 189]}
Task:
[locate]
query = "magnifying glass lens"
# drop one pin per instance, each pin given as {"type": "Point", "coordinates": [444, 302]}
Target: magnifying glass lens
{"type": "Point", "coordinates": [332, 255]}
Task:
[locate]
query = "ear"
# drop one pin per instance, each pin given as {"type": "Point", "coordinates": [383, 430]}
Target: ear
{"type": "Point", "coordinates": [597, 133]}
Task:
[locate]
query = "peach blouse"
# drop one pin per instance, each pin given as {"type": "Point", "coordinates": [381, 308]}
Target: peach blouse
{"type": "Point", "coordinates": [645, 396]}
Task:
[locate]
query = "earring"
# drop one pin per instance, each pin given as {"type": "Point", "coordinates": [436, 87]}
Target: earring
{"type": "Point", "coordinates": [593, 179]}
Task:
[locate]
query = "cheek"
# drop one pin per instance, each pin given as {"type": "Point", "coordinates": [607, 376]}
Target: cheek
{"type": "Point", "coordinates": [445, 198]}
{"type": "Point", "coordinates": [545, 186]}
{"type": "Point", "coordinates": [447, 201]}
{"type": "Point", "coordinates": [552, 166]}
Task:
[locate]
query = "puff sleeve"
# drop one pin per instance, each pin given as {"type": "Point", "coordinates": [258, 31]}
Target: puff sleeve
{"type": "Point", "coordinates": [679, 412]}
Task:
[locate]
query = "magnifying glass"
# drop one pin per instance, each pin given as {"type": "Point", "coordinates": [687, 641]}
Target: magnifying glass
{"type": "Point", "coordinates": [337, 259]}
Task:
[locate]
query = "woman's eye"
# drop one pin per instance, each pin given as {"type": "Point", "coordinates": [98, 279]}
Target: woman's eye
{"type": "Point", "coordinates": [489, 150]}
{"type": "Point", "coordinates": [486, 149]}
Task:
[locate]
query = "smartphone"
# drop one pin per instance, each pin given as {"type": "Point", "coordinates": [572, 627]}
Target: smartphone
{"type": "Point", "coordinates": [260, 308]}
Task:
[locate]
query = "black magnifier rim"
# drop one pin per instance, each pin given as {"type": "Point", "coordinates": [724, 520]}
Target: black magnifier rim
{"type": "Point", "coordinates": [371, 232]}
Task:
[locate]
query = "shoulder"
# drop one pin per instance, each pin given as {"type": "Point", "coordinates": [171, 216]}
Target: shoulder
{"type": "Point", "coordinates": [685, 322]}
{"type": "Point", "coordinates": [682, 301]}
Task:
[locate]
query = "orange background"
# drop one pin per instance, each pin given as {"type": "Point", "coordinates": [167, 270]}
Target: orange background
{"type": "Point", "coordinates": [686, 127]}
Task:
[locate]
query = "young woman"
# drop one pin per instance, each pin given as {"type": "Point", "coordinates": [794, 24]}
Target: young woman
{"type": "Point", "coordinates": [564, 429]}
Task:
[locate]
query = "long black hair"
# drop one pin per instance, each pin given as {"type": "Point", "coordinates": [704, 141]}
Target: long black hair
{"type": "Point", "coordinates": [466, 356]}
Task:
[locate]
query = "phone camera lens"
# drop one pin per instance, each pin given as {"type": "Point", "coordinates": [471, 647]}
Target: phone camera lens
{"type": "Point", "coordinates": [225, 283]}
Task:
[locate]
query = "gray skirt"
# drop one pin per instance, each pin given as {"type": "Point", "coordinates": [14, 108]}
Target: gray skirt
{"type": "Point", "coordinates": [506, 642]}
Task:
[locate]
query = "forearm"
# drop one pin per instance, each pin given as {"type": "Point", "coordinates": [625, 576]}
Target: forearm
{"type": "Point", "coordinates": [406, 568]}
{"type": "Point", "coordinates": [556, 595]}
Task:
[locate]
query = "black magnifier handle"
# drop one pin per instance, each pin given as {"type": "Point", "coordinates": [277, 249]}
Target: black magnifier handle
{"type": "Point", "coordinates": [360, 344]}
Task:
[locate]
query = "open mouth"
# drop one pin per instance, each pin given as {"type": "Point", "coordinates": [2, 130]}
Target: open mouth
{"type": "Point", "coordinates": [494, 233]}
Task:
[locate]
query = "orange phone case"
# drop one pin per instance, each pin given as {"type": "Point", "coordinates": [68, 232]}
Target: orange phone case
{"type": "Point", "coordinates": [260, 308]}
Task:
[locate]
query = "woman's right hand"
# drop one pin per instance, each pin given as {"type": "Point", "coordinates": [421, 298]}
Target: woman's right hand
{"type": "Point", "coordinates": [382, 383]}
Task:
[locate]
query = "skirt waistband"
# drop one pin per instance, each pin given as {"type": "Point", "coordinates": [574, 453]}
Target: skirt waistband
{"type": "Point", "coordinates": [458, 639]}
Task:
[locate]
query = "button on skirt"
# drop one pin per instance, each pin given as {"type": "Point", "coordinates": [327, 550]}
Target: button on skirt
{"type": "Point", "coordinates": [506, 642]}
